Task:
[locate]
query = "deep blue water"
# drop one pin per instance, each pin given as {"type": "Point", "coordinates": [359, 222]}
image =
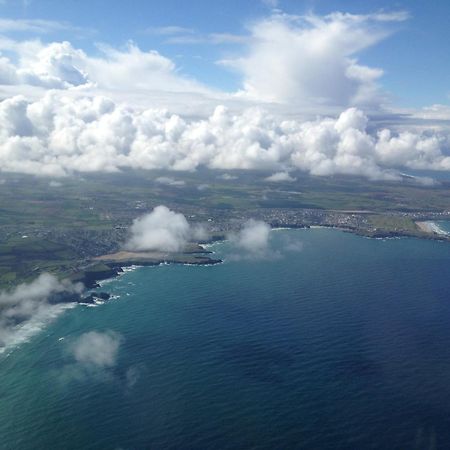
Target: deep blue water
{"type": "Point", "coordinates": [342, 345]}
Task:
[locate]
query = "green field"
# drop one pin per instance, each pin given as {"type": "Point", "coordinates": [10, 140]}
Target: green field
{"type": "Point", "coordinates": [69, 219]}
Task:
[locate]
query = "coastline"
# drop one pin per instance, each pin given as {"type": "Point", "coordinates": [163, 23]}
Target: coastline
{"type": "Point", "coordinates": [97, 271]}
{"type": "Point", "coordinates": [431, 227]}
{"type": "Point", "coordinates": [112, 265]}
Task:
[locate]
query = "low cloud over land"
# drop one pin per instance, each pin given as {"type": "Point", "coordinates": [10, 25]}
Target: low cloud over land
{"type": "Point", "coordinates": [162, 230]}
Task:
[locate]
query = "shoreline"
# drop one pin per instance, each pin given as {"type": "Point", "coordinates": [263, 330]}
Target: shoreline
{"type": "Point", "coordinates": [98, 271]}
{"type": "Point", "coordinates": [116, 264]}
{"type": "Point", "coordinates": [110, 266]}
{"type": "Point", "coordinates": [431, 227]}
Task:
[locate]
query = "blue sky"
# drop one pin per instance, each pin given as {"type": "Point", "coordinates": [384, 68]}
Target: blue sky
{"type": "Point", "coordinates": [325, 87]}
{"type": "Point", "coordinates": [415, 57]}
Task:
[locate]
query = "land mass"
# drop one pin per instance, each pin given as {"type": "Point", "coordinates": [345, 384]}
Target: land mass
{"type": "Point", "coordinates": [78, 225]}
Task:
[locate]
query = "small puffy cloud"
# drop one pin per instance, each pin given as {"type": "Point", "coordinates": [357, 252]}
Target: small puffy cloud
{"type": "Point", "coordinates": [97, 350]}
{"type": "Point", "coordinates": [92, 356]}
{"type": "Point", "coordinates": [280, 177]}
{"type": "Point", "coordinates": [227, 177]}
{"type": "Point", "coordinates": [162, 230]}
{"type": "Point", "coordinates": [169, 181]}
{"type": "Point", "coordinates": [253, 238]}
{"type": "Point", "coordinates": [25, 308]}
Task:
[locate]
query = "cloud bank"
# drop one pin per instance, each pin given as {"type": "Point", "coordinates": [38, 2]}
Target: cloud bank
{"type": "Point", "coordinates": [24, 309]}
{"type": "Point", "coordinates": [58, 135]}
{"type": "Point", "coordinates": [84, 113]}
{"type": "Point", "coordinates": [162, 230]}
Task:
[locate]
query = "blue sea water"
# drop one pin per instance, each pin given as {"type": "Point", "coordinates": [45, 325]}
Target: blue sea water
{"type": "Point", "coordinates": [341, 342]}
{"type": "Point", "coordinates": [444, 225]}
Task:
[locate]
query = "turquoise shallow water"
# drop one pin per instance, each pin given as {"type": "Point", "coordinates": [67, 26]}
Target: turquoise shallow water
{"type": "Point", "coordinates": [342, 345]}
{"type": "Point", "coordinates": [444, 225]}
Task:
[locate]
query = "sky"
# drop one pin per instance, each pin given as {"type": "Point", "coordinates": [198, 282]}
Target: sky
{"type": "Point", "coordinates": [326, 87]}
{"type": "Point", "coordinates": [415, 53]}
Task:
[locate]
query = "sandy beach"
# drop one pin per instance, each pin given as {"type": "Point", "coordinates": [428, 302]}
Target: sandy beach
{"type": "Point", "coordinates": [431, 227]}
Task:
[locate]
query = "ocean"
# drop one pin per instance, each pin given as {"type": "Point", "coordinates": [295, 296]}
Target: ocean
{"type": "Point", "coordinates": [330, 341]}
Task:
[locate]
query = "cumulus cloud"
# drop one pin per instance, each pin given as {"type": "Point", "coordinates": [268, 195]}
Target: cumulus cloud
{"type": "Point", "coordinates": [57, 65]}
{"type": "Point", "coordinates": [97, 350]}
{"type": "Point", "coordinates": [227, 177]}
{"type": "Point", "coordinates": [92, 356]}
{"type": "Point", "coordinates": [162, 230]}
{"type": "Point", "coordinates": [119, 71]}
{"type": "Point", "coordinates": [133, 68]}
{"type": "Point", "coordinates": [71, 128]}
{"type": "Point", "coordinates": [313, 59]}
{"type": "Point", "coordinates": [169, 181]}
{"type": "Point", "coordinates": [279, 177]}
{"type": "Point", "coordinates": [284, 62]}
{"type": "Point", "coordinates": [254, 241]}
{"type": "Point", "coordinates": [253, 238]}
{"type": "Point", "coordinates": [58, 135]}
{"type": "Point", "coordinates": [24, 309]}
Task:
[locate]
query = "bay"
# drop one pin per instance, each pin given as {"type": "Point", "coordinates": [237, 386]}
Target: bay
{"type": "Point", "coordinates": [327, 341]}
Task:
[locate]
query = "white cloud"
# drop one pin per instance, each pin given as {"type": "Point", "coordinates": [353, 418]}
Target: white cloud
{"type": "Point", "coordinates": [433, 112]}
{"type": "Point", "coordinates": [59, 134]}
{"type": "Point", "coordinates": [97, 350]}
{"type": "Point", "coordinates": [311, 60]}
{"type": "Point", "coordinates": [57, 65]}
{"type": "Point", "coordinates": [270, 3]}
{"type": "Point", "coordinates": [162, 230]}
{"type": "Point", "coordinates": [279, 177]}
{"type": "Point", "coordinates": [93, 357]}
{"type": "Point", "coordinates": [169, 181]}
{"type": "Point", "coordinates": [227, 177]}
{"type": "Point", "coordinates": [169, 30]}
{"type": "Point", "coordinates": [35, 26]}
{"type": "Point", "coordinates": [132, 68]}
{"type": "Point", "coordinates": [253, 238]}
{"type": "Point", "coordinates": [127, 73]}
{"type": "Point", "coordinates": [24, 309]}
